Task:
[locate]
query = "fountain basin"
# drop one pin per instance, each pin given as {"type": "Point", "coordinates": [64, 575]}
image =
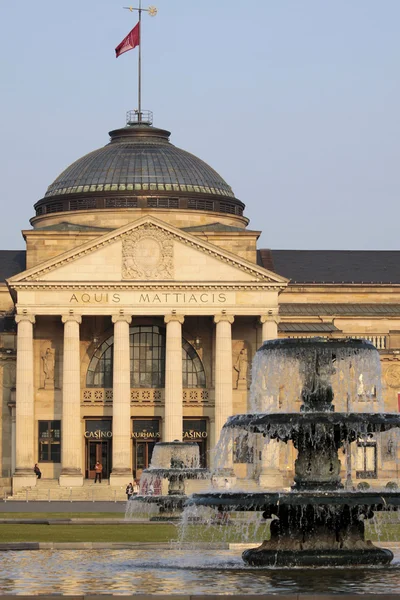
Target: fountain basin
{"type": "Point", "coordinates": [318, 558]}
{"type": "Point", "coordinates": [185, 473]}
{"type": "Point", "coordinates": [262, 501]}
{"type": "Point", "coordinates": [286, 426]}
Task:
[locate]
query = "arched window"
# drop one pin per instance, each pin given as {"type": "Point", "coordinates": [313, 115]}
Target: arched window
{"type": "Point", "coordinates": [192, 368]}
{"type": "Point", "coordinates": [147, 361]}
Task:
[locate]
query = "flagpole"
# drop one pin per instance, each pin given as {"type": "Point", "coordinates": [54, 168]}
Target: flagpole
{"type": "Point", "coordinates": [140, 64]}
{"type": "Point", "coordinates": [152, 11]}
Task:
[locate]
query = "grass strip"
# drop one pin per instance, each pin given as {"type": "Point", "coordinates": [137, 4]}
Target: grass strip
{"type": "Point", "coordinates": [61, 515]}
{"type": "Point", "coordinates": [86, 533]}
{"type": "Point", "coordinates": [152, 532]}
{"type": "Point", "coordinates": [156, 532]}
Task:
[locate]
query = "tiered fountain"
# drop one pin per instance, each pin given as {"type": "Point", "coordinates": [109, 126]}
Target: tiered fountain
{"type": "Point", "coordinates": [163, 484]}
{"type": "Point", "coordinates": [317, 522]}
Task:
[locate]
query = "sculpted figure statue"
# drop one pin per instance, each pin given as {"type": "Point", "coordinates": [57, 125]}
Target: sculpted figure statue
{"type": "Point", "coordinates": [48, 358]}
{"type": "Point", "coordinates": [241, 367]}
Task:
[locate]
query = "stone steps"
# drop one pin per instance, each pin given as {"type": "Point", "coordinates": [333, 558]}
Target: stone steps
{"type": "Point", "coordinates": [245, 485]}
{"type": "Point", "coordinates": [50, 491]}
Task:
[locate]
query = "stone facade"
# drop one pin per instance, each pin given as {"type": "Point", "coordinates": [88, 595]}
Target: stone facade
{"type": "Point", "coordinates": [97, 282]}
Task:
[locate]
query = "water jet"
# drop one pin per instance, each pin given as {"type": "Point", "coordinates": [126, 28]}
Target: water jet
{"type": "Point", "coordinates": [317, 522]}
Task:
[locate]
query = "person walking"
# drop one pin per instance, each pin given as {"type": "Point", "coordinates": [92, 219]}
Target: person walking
{"type": "Point", "coordinates": [37, 471]}
{"type": "Point", "coordinates": [129, 491]}
{"type": "Point", "coordinates": [98, 469]}
{"type": "Point", "coordinates": [136, 487]}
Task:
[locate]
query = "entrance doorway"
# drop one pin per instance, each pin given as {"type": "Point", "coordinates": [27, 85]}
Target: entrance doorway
{"type": "Point", "coordinates": [195, 430]}
{"type": "Point", "coordinates": [98, 435]}
{"type": "Point", "coordinates": [142, 453]}
{"type": "Point", "coordinates": [98, 452]}
{"type": "Point", "coordinates": [145, 435]}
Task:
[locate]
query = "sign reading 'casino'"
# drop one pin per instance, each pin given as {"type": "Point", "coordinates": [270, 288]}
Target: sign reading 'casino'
{"type": "Point", "coordinates": [98, 435]}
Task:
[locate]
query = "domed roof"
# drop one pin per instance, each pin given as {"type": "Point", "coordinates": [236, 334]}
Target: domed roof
{"type": "Point", "coordinates": [139, 161]}
{"type": "Point", "coordinates": [136, 158]}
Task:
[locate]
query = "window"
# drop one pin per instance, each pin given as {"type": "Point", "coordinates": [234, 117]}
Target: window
{"type": "Point", "coordinates": [366, 463]}
{"type": "Point", "coordinates": [50, 441]}
{"type": "Point", "coordinates": [101, 366]}
{"type": "Point", "coordinates": [147, 348]}
{"type": "Point", "coordinates": [243, 451]}
{"type": "Point", "coordinates": [147, 361]}
{"type": "Point", "coordinates": [192, 368]}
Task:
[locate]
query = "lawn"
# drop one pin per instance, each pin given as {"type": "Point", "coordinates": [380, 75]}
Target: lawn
{"type": "Point", "coordinates": [131, 532]}
{"type": "Point", "coordinates": [387, 529]}
{"type": "Point", "coordinates": [43, 516]}
{"type": "Point", "coordinates": [87, 533]}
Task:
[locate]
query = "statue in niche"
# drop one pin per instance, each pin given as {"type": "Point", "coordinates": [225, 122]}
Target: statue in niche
{"type": "Point", "coordinates": [241, 367]}
{"type": "Point", "coordinates": [9, 374]}
{"type": "Point", "coordinates": [48, 360]}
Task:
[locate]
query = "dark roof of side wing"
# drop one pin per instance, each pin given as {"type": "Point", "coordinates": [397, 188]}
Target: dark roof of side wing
{"type": "Point", "coordinates": [11, 263]}
{"type": "Point", "coordinates": [334, 266]}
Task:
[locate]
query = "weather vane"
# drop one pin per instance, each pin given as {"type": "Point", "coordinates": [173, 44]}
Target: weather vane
{"type": "Point", "coordinates": [133, 39]}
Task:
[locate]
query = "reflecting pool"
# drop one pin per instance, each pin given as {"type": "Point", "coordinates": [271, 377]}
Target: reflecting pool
{"type": "Point", "coordinates": [168, 571]}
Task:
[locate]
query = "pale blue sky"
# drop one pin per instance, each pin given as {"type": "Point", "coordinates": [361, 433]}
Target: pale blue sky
{"type": "Point", "coordinates": [294, 102]}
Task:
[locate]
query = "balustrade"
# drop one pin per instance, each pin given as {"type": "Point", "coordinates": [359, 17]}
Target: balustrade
{"type": "Point", "coordinates": [146, 396]}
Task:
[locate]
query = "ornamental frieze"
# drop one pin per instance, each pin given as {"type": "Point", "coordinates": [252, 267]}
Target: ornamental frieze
{"type": "Point", "coordinates": [392, 376]}
{"type": "Point", "coordinates": [148, 253]}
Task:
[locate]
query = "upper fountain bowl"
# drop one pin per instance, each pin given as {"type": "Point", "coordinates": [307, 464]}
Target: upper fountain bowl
{"type": "Point", "coordinates": [310, 373]}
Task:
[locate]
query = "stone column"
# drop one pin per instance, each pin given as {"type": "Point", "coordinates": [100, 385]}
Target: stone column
{"type": "Point", "coordinates": [13, 444]}
{"type": "Point", "coordinates": [173, 414]}
{"type": "Point", "coordinates": [270, 475]}
{"type": "Point", "coordinates": [269, 325]}
{"type": "Point", "coordinates": [121, 440]}
{"type": "Point", "coordinates": [25, 455]}
{"type": "Point", "coordinates": [223, 379]}
{"type": "Point", "coordinates": [71, 430]}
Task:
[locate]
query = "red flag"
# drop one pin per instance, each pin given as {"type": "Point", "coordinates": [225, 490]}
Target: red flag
{"type": "Point", "coordinates": [131, 41]}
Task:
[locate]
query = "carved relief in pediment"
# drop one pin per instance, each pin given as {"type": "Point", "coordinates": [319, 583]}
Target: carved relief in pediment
{"type": "Point", "coordinates": [148, 253]}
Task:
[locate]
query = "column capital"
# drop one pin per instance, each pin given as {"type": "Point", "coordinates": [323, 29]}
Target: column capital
{"type": "Point", "coordinates": [25, 317]}
{"type": "Point", "coordinates": [121, 319]}
{"type": "Point", "coordinates": [271, 317]}
{"type": "Point", "coordinates": [223, 317]}
{"type": "Point", "coordinates": [71, 318]}
{"type": "Point", "coordinates": [174, 317]}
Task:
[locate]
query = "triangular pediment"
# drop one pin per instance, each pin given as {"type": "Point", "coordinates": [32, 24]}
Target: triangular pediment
{"type": "Point", "coordinates": [148, 250]}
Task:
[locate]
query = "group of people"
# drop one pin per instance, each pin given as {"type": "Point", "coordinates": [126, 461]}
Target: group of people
{"type": "Point", "coordinates": [132, 489]}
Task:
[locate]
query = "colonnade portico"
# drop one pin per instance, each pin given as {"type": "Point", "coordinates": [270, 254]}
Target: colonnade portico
{"type": "Point", "coordinates": [72, 472]}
